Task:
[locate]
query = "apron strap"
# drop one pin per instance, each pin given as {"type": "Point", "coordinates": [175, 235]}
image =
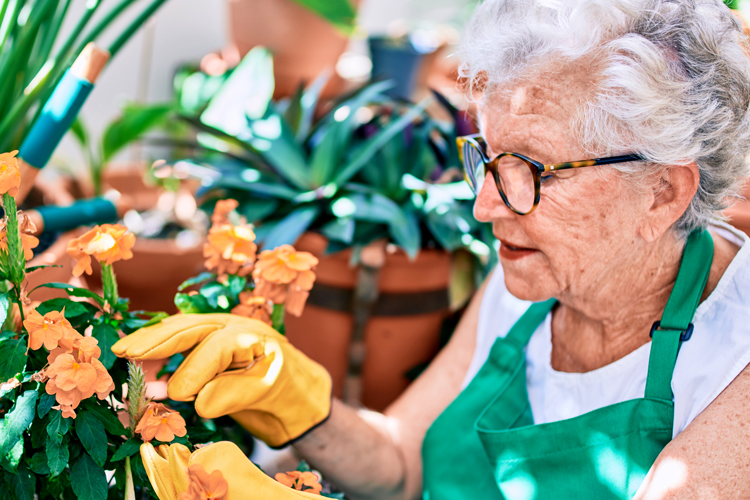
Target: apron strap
{"type": "Point", "coordinates": [676, 321]}
{"type": "Point", "coordinates": [521, 332]}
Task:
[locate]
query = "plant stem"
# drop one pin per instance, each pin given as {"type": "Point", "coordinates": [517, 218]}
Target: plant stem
{"type": "Point", "coordinates": [16, 259]}
{"type": "Point", "coordinates": [129, 487]}
{"type": "Point", "coordinates": [109, 283]}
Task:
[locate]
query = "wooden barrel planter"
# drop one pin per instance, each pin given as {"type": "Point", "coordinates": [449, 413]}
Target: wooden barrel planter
{"type": "Point", "coordinates": [402, 330]}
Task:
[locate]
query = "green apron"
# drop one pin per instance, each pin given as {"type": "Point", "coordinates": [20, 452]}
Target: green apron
{"type": "Point", "coordinates": [485, 444]}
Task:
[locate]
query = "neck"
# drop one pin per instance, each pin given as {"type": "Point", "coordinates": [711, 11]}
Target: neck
{"type": "Point", "coordinates": [612, 317]}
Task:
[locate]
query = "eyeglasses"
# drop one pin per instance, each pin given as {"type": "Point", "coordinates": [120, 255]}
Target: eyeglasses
{"type": "Point", "coordinates": [517, 177]}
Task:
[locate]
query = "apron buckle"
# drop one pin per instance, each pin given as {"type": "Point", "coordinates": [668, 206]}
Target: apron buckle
{"type": "Point", "coordinates": [684, 336]}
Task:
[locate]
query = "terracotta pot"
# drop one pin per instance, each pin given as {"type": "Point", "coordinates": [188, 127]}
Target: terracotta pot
{"type": "Point", "coordinates": [397, 337]}
{"type": "Point", "coordinates": [150, 279]}
{"type": "Point", "coordinates": [303, 44]}
{"type": "Point", "coordinates": [56, 255]}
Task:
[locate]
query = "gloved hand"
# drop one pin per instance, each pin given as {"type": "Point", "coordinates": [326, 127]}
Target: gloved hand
{"type": "Point", "coordinates": [167, 470]}
{"type": "Point", "coordinates": [239, 367]}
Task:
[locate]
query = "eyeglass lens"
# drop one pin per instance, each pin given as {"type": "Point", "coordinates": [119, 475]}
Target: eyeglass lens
{"type": "Point", "coordinates": [516, 178]}
{"type": "Point", "coordinates": [474, 171]}
{"type": "Point", "coordinates": [517, 182]}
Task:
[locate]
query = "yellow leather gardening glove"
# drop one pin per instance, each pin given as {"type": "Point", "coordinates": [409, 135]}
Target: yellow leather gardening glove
{"type": "Point", "coordinates": [167, 470]}
{"type": "Point", "coordinates": [239, 367]}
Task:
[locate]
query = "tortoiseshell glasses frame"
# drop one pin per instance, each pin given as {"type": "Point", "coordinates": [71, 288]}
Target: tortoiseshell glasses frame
{"type": "Point", "coordinates": [510, 174]}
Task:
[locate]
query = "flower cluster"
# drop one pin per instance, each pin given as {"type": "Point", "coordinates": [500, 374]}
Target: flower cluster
{"type": "Point", "coordinates": [160, 423]}
{"type": "Point", "coordinates": [303, 481]}
{"type": "Point", "coordinates": [204, 486]}
{"type": "Point", "coordinates": [284, 276]}
{"type": "Point", "coordinates": [254, 306]}
{"type": "Point", "coordinates": [27, 228]}
{"type": "Point", "coordinates": [10, 175]}
{"type": "Point", "coordinates": [74, 372]}
{"type": "Point", "coordinates": [107, 243]}
{"type": "Point", "coordinates": [230, 248]}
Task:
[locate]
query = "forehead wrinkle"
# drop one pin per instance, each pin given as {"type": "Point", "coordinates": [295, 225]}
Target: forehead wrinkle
{"type": "Point", "coordinates": [530, 135]}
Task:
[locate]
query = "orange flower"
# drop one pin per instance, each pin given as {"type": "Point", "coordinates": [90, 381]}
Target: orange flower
{"type": "Point", "coordinates": [48, 330]}
{"type": "Point", "coordinates": [10, 176]}
{"type": "Point", "coordinates": [252, 306]}
{"type": "Point", "coordinates": [222, 210]}
{"type": "Point", "coordinates": [204, 486]}
{"type": "Point", "coordinates": [76, 376]}
{"type": "Point", "coordinates": [282, 265]}
{"type": "Point", "coordinates": [273, 292]}
{"type": "Point", "coordinates": [107, 243]}
{"type": "Point", "coordinates": [299, 291]}
{"type": "Point", "coordinates": [27, 229]}
{"type": "Point", "coordinates": [67, 411]}
{"type": "Point", "coordinates": [69, 374]}
{"type": "Point", "coordinates": [161, 423]}
{"type": "Point", "coordinates": [230, 249]}
{"type": "Point", "coordinates": [302, 481]}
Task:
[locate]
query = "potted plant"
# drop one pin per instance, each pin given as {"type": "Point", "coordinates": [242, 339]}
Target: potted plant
{"type": "Point", "coordinates": [373, 181]}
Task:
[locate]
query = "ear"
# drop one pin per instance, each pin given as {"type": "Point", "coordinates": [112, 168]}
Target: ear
{"type": "Point", "coordinates": [673, 190]}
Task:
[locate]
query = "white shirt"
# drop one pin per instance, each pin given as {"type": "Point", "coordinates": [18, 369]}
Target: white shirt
{"type": "Point", "coordinates": [707, 363]}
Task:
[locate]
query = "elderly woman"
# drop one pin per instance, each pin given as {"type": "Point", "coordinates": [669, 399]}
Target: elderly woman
{"type": "Point", "coordinates": [606, 357]}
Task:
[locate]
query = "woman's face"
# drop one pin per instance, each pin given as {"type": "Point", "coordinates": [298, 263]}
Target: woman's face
{"type": "Point", "coordinates": [585, 230]}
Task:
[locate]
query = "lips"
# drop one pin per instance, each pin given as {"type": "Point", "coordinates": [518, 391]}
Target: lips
{"type": "Point", "coordinates": [509, 251]}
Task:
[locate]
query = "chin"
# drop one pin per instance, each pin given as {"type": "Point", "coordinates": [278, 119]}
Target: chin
{"type": "Point", "coordinates": [527, 287]}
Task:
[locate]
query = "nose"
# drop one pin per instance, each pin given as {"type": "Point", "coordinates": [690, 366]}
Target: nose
{"type": "Point", "coordinates": [489, 206]}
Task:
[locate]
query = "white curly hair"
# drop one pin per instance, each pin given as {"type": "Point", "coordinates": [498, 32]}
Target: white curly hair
{"type": "Point", "coordinates": [674, 84]}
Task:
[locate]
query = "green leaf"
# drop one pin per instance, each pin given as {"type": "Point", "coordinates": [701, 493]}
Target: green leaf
{"type": "Point", "coordinates": [13, 356]}
{"type": "Point", "coordinates": [273, 139]}
{"type": "Point", "coordinates": [213, 292]}
{"type": "Point", "coordinates": [293, 113]}
{"type": "Point", "coordinates": [364, 152]}
{"type": "Point", "coordinates": [4, 305]}
{"type": "Point", "coordinates": [57, 426]}
{"type": "Point", "coordinates": [245, 94]}
{"type": "Point", "coordinates": [271, 188]}
{"type": "Point", "coordinates": [196, 280]}
{"type": "Point", "coordinates": [127, 449]}
{"type": "Point", "coordinates": [277, 318]}
{"type": "Point", "coordinates": [88, 479]}
{"type": "Point", "coordinates": [73, 291]}
{"type": "Point", "coordinates": [107, 337]}
{"type": "Point", "coordinates": [92, 435]}
{"type": "Point", "coordinates": [340, 230]}
{"type": "Point", "coordinates": [174, 362]}
{"type": "Point", "coordinates": [291, 227]}
{"type": "Point", "coordinates": [190, 304]}
{"type": "Point", "coordinates": [46, 402]}
{"type": "Point", "coordinates": [78, 130]}
{"type": "Point", "coordinates": [17, 421]}
{"type": "Point", "coordinates": [57, 455]}
{"type": "Point", "coordinates": [38, 463]}
{"type": "Point", "coordinates": [135, 323]}
{"type": "Point", "coordinates": [404, 229]}
{"type": "Point", "coordinates": [136, 121]}
{"type": "Point", "coordinates": [11, 459]}
{"type": "Point", "coordinates": [106, 416]}
{"type": "Point", "coordinates": [340, 13]}
{"type": "Point", "coordinates": [24, 484]}
{"type": "Point", "coordinates": [308, 103]}
{"type": "Point", "coordinates": [257, 209]}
